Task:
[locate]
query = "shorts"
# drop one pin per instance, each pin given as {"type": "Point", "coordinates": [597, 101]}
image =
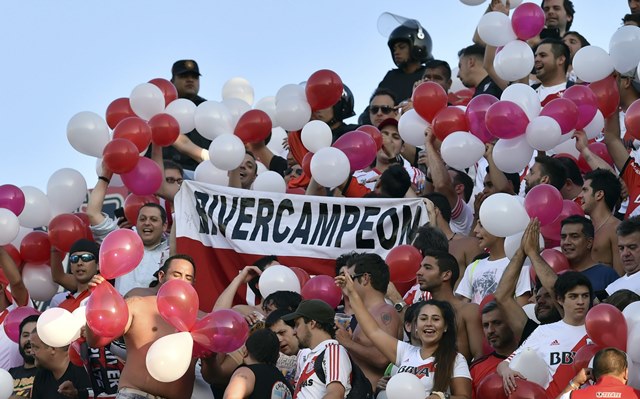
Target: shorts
{"type": "Point", "coordinates": [130, 393]}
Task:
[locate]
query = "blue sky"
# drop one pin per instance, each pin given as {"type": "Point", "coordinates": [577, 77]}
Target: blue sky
{"type": "Point", "coordinates": [63, 57]}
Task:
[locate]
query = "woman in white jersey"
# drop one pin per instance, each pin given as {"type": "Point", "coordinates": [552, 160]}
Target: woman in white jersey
{"type": "Point", "coordinates": [441, 369]}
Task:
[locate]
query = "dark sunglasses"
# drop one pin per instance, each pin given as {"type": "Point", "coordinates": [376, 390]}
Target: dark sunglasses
{"type": "Point", "coordinates": [84, 257]}
{"type": "Point", "coordinates": [385, 109]}
{"type": "Point", "coordinates": [296, 171]}
{"type": "Point", "coordinates": [172, 180]}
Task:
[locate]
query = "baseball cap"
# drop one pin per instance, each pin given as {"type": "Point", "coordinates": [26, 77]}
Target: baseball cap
{"type": "Point", "coordinates": [185, 66]}
{"type": "Point", "coordinates": [388, 122]}
{"type": "Point", "coordinates": [313, 309]}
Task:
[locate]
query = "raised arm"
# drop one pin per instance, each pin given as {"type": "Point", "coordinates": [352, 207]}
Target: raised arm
{"type": "Point", "coordinates": [225, 300]}
{"type": "Point", "coordinates": [96, 198]}
{"type": "Point", "coordinates": [442, 182]}
{"type": "Point", "coordinates": [185, 146]}
{"type": "Point", "coordinates": [531, 245]}
{"type": "Point", "coordinates": [614, 144]}
{"type": "Point", "coordinates": [18, 289]}
{"type": "Point", "coordinates": [58, 274]}
{"type": "Point", "coordinates": [593, 160]}
{"type": "Point", "coordinates": [164, 191]}
{"type": "Point", "coordinates": [497, 177]}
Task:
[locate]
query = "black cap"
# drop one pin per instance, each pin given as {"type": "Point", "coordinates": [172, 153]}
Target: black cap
{"type": "Point", "coordinates": [84, 245]}
{"type": "Point", "coordinates": [313, 309]}
{"type": "Point", "coordinates": [185, 66]}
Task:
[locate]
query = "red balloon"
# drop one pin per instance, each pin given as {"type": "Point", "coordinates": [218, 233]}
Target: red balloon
{"type": "Point", "coordinates": [491, 387]}
{"type": "Point", "coordinates": [606, 91]}
{"type": "Point", "coordinates": [118, 110]}
{"type": "Point", "coordinates": [13, 320]}
{"type": "Point", "coordinates": [12, 198]}
{"type": "Point", "coordinates": [598, 148]}
{"type": "Point", "coordinates": [87, 225]}
{"type": "Point", "coordinates": [586, 101]}
{"type": "Point", "coordinates": [555, 259]}
{"type": "Point", "coordinates": [253, 126]}
{"type": "Point", "coordinates": [551, 232]}
{"type": "Point", "coordinates": [564, 111]}
{"type": "Point", "coordinates": [374, 133]}
{"type": "Point", "coordinates": [35, 247]}
{"type": "Point", "coordinates": [178, 304]}
{"type": "Point", "coordinates": [221, 331]}
{"type": "Point", "coordinates": [404, 287]}
{"type": "Point", "coordinates": [428, 99]}
{"type": "Point", "coordinates": [302, 275]}
{"type": "Point", "coordinates": [506, 120]}
{"type": "Point", "coordinates": [306, 163]}
{"type": "Point", "coordinates": [14, 253]}
{"type": "Point", "coordinates": [64, 230]}
{"type": "Point", "coordinates": [107, 312]}
{"type": "Point", "coordinates": [528, 390]}
{"type": "Point", "coordinates": [460, 97]}
{"type": "Point", "coordinates": [169, 91]}
{"type": "Point", "coordinates": [136, 130]}
{"type": "Point", "coordinates": [488, 298]}
{"type": "Point", "coordinates": [404, 261]}
{"type": "Point", "coordinates": [359, 147]}
{"type": "Point", "coordinates": [632, 119]}
{"type": "Point", "coordinates": [120, 155]}
{"type": "Point", "coordinates": [543, 202]}
{"type": "Point", "coordinates": [583, 356]}
{"type": "Point", "coordinates": [199, 351]}
{"type": "Point", "coordinates": [475, 114]}
{"type": "Point", "coordinates": [449, 120]}
{"type": "Point", "coordinates": [324, 89]}
{"type": "Point", "coordinates": [607, 326]}
{"type": "Point", "coordinates": [120, 252]}
{"type": "Point", "coordinates": [164, 129]}
{"type": "Point", "coordinates": [133, 203]}
{"type": "Point", "coordinates": [323, 288]}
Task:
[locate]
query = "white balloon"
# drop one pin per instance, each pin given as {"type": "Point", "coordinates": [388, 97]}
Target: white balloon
{"type": "Point", "coordinates": [495, 29]}
{"type": "Point", "coordinates": [543, 133]}
{"type": "Point", "coordinates": [633, 343]}
{"type": "Point", "coordinates": [260, 168]}
{"type": "Point", "coordinates": [239, 88]}
{"type": "Point", "coordinates": [66, 190]}
{"type": "Point", "coordinates": [169, 357]}
{"type": "Point", "coordinates": [270, 181]}
{"type": "Point", "coordinates": [634, 372]}
{"type": "Point", "coordinates": [525, 97]}
{"type": "Point", "coordinates": [207, 173]}
{"type": "Point", "coordinates": [512, 155]}
{"type": "Point", "coordinates": [512, 243]}
{"type": "Point", "coordinates": [80, 316]}
{"type": "Point", "coordinates": [411, 127]}
{"type": "Point", "coordinates": [37, 279]}
{"type": "Point", "coordinates": [56, 327]}
{"type": "Point", "coordinates": [146, 100]}
{"type": "Point", "coordinates": [567, 146]}
{"type": "Point", "coordinates": [531, 366]}
{"type": "Point", "coordinates": [460, 150]}
{"type": "Point", "coordinates": [211, 119]}
{"type": "Point", "coordinates": [290, 90]}
{"type": "Point", "coordinates": [278, 135]}
{"type": "Point", "coordinates": [316, 135]}
{"type": "Point", "coordinates": [515, 61]}
{"type": "Point", "coordinates": [503, 215]}
{"type": "Point", "coordinates": [268, 105]}
{"type": "Point", "coordinates": [330, 167]}
{"type": "Point", "coordinates": [9, 226]}
{"type": "Point", "coordinates": [624, 48]}
{"type": "Point", "coordinates": [236, 108]}
{"type": "Point", "coordinates": [292, 112]}
{"type": "Point", "coordinates": [37, 210]}
{"type": "Point", "coordinates": [278, 278]}
{"type": "Point", "coordinates": [6, 384]}
{"type": "Point", "coordinates": [88, 133]}
{"type": "Point", "coordinates": [23, 231]}
{"type": "Point", "coordinates": [183, 110]}
{"type": "Point", "coordinates": [405, 386]}
{"type": "Point", "coordinates": [632, 314]}
{"type": "Point", "coordinates": [226, 152]}
{"type": "Point", "coordinates": [592, 63]}
{"type": "Point", "coordinates": [595, 127]}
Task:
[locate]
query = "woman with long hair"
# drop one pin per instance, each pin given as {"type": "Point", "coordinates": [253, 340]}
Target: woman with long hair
{"type": "Point", "coordinates": [442, 370]}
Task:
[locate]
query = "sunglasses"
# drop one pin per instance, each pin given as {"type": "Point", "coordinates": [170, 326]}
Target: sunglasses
{"type": "Point", "coordinates": [85, 258]}
{"type": "Point", "coordinates": [385, 109]}
{"type": "Point", "coordinates": [172, 180]}
{"type": "Point", "coordinates": [296, 171]}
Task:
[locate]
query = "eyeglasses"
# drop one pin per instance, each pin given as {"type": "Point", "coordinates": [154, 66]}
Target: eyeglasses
{"type": "Point", "coordinates": [385, 109]}
{"type": "Point", "coordinates": [85, 258]}
{"type": "Point", "coordinates": [172, 180]}
{"type": "Point", "coordinates": [296, 171]}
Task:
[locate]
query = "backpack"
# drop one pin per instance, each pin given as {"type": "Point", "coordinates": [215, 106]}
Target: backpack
{"type": "Point", "coordinates": [360, 384]}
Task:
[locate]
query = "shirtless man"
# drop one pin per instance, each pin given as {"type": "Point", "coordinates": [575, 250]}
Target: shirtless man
{"type": "Point", "coordinates": [600, 195]}
{"type": "Point", "coordinates": [370, 276]}
{"type": "Point", "coordinates": [144, 327]}
{"type": "Point", "coordinates": [437, 275]}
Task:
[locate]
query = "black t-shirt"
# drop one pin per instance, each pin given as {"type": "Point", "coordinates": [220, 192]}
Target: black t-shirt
{"type": "Point", "coordinates": [23, 380]}
{"type": "Point", "coordinates": [185, 161]}
{"type": "Point", "coordinates": [488, 86]}
{"type": "Point", "coordinates": [270, 383]}
{"type": "Point", "coordinates": [278, 164]}
{"type": "Point", "coordinates": [45, 385]}
{"type": "Point", "coordinates": [341, 130]}
{"type": "Point", "coordinates": [400, 83]}
{"type": "Point", "coordinates": [529, 327]}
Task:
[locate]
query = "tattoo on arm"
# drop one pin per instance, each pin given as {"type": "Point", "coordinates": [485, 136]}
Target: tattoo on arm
{"type": "Point", "coordinates": [386, 318]}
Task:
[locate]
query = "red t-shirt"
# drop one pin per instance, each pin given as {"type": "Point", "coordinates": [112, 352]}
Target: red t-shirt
{"type": "Point", "coordinates": [631, 176]}
{"type": "Point", "coordinates": [606, 387]}
{"type": "Point", "coordinates": [482, 367]}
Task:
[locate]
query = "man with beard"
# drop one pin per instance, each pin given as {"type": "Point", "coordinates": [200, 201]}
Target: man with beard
{"type": "Point", "coordinates": [552, 59]}
{"type": "Point", "coordinates": [545, 170]}
{"type": "Point", "coordinates": [24, 375]}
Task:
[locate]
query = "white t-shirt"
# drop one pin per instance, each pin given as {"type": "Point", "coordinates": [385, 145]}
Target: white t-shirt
{"type": "Point", "coordinates": [481, 278]}
{"type": "Point", "coordinates": [461, 218]}
{"type": "Point", "coordinates": [544, 92]}
{"type": "Point", "coordinates": [336, 366]}
{"type": "Point", "coordinates": [631, 282]}
{"type": "Point", "coordinates": [408, 360]}
{"type": "Point", "coordinates": [415, 295]}
{"type": "Point", "coordinates": [415, 175]}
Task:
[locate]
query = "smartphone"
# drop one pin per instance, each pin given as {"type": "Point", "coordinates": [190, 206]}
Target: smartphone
{"type": "Point", "coordinates": [119, 213]}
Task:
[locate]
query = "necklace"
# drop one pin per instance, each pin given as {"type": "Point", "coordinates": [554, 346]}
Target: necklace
{"type": "Point", "coordinates": [454, 234]}
{"type": "Point", "coordinates": [602, 224]}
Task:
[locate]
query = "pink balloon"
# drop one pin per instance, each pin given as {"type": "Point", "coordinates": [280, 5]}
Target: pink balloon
{"type": "Point", "coordinates": [359, 147]}
{"type": "Point", "coordinates": [107, 312]}
{"type": "Point", "coordinates": [13, 320]}
{"type": "Point", "coordinates": [506, 120]}
{"type": "Point", "coordinates": [527, 21]}
{"type": "Point", "coordinates": [564, 111]}
{"type": "Point", "coordinates": [543, 202]}
{"type": "Point", "coordinates": [323, 288]}
{"type": "Point", "coordinates": [12, 198]}
{"type": "Point", "coordinates": [586, 101]}
{"type": "Point", "coordinates": [144, 179]}
{"type": "Point", "coordinates": [475, 113]}
{"type": "Point", "coordinates": [551, 232]}
{"type": "Point", "coordinates": [178, 304]}
{"type": "Point", "coordinates": [221, 331]}
{"type": "Point", "coordinates": [120, 252]}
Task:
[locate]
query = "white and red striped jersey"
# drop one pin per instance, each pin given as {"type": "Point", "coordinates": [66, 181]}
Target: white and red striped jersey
{"type": "Point", "coordinates": [336, 365]}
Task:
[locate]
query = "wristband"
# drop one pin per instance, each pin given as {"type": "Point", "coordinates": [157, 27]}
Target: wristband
{"type": "Point", "coordinates": [441, 395]}
{"type": "Point", "coordinates": [105, 179]}
{"type": "Point", "coordinates": [573, 385]}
